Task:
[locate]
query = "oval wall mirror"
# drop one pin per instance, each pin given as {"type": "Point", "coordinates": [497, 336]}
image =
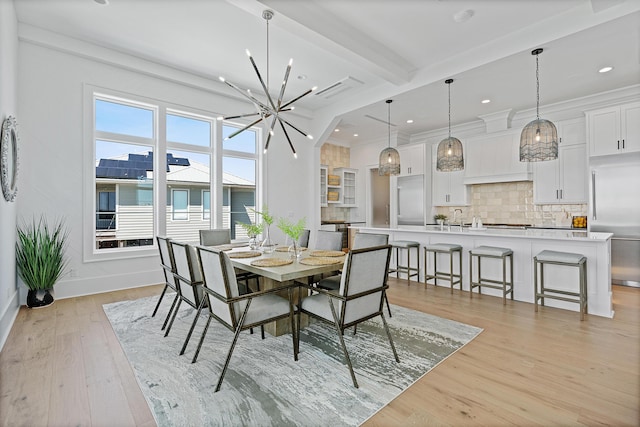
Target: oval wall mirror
{"type": "Point", "coordinates": [9, 158]}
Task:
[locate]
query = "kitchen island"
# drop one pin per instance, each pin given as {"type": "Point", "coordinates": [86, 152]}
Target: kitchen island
{"type": "Point", "coordinates": [525, 243]}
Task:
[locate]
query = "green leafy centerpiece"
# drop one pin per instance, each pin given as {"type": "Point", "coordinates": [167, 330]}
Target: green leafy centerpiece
{"type": "Point", "coordinates": [40, 258]}
{"type": "Point", "coordinates": [293, 231]}
{"type": "Point", "coordinates": [267, 246]}
{"type": "Point", "coordinates": [253, 230]}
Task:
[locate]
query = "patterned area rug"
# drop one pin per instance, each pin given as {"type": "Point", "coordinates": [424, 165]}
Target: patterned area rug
{"type": "Point", "coordinates": [264, 386]}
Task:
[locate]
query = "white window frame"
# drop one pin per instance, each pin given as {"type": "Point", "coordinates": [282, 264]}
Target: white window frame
{"type": "Point", "coordinates": [181, 212]}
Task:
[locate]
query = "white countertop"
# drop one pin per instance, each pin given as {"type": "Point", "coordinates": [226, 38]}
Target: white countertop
{"type": "Point", "coordinates": [531, 233]}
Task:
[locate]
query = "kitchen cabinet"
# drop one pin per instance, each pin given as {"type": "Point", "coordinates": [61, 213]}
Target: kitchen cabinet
{"type": "Point", "coordinates": [347, 188]}
{"type": "Point", "coordinates": [614, 130]}
{"type": "Point", "coordinates": [448, 187]}
{"type": "Point", "coordinates": [563, 180]}
{"type": "Point", "coordinates": [324, 171]}
{"type": "Point", "coordinates": [411, 159]}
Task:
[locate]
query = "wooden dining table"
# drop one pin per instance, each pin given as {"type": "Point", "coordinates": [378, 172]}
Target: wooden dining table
{"type": "Point", "coordinates": [285, 275]}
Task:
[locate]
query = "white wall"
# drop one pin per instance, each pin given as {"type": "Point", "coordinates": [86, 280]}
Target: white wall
{"type": "Point", "coordinates": [51, 110]}
{"type": "Point", "coordinates": [8, 107]}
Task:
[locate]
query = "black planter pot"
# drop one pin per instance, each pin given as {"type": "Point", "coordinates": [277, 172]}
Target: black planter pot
{"type": "Point", "coordinates": [39, 299]}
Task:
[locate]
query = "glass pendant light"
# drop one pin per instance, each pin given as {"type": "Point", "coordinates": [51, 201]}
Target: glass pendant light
{"type": "Point", "coordinates": [450, 157]}
{"type": "Point", "coordinates": [539, 138]}
{"type": "Point", "coordinates": [389, 163]}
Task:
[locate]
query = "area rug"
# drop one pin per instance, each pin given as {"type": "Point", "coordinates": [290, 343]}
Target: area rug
{"type": "Point", "coordinates": [264, 386]}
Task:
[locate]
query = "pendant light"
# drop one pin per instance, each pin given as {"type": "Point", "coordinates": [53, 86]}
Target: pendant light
{"type": "Point", "coordinates": [389, 163]}
{"type": "Point", "coordinates": [450, 157]}
{"type": "Point", "coordinates": [539, 138]}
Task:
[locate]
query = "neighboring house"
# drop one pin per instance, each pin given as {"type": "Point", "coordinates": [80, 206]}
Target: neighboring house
{"type": "Point", "coordinates": [124, 200]}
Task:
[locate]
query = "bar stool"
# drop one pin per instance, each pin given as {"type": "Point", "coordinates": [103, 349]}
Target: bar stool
{"type": "Point", "coordinates": [443, 248]}
{"type": "Point", "coordinates": [397, 245]}
{"type": "Point", "coordinates": [496, 253]}
{"type": "Point", "coordinates": [566, 259]}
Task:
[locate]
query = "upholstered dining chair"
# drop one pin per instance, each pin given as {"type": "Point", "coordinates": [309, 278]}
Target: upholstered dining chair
{"type": "Point", "coordinates": [215, 237]}
{"type": "Point", "coordinates": [329, 240]}
{"type": "Point", "coordinates": [235, 311]}
{"type": "Point", "coordinates": [360, 297]}
{"type": "Point", "coordinates": [303, 240]}
{"type": "Point", "coordinates": [187, 277]}
{"type": "Point", "coordinates": [222, 236]}
{"type": "Point", "coordinates": [168, 269]}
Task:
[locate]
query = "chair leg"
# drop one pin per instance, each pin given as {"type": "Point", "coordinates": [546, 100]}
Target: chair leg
{"type": "Point", "coordinates": [344, 347]}
{"type": "Point", "coordinates": [233, 344]}
{"type": "Point", "coordinates": [386, 328]}
{"type": "Point", "coordinates": [204, 333]}
{"type": "Point", "coordinates": [387, 301]}
{"type": "Point", "coordinates": [155, 310]}
{"type": "Point", "coordinates": [193, 326]}
{"type": "Point", "coordinates": [173, 304]}
{"type": "Point", "coordinates": [173, 317]}
{"type": "Point", "coordinates": [293, 326]}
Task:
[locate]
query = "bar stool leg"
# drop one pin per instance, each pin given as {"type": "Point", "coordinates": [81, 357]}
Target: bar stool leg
{"type": "Point", "coordinates": [511, 273]}
{"type": "Point", "coordinates": [535, 283]}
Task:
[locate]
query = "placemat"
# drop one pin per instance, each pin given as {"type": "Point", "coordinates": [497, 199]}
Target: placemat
{"type": "Point", "coordinates": [327, 253]}
{"type": "Point", "coordinates": [244, 254]}
{"type": "Point", "coordinates": [225, 247]}
{"type": "Point", "coordinates": [286, 249]}
{"type": "Point", "coordinates": [321, 260]}
{"type": "Point", "coordinates": [271, 262]}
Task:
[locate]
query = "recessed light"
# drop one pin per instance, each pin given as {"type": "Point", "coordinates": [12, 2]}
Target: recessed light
{"type": "Point", "coordinates": [486, 101]}
{"type": "Point", "coordinates": [605, 69]}
{"type": "Point", "coordinates": [102, 2]}
{"type": "Point", "coordinates": [409, 121]}
{"type": "Point", "coordinates": [463, 16]}
{"type": "Point", "coordinates": [302, 77]}
{"type": "Point", "coordinates": [355, 134]}
{"type": "Point", "coordinates": [336, 130]}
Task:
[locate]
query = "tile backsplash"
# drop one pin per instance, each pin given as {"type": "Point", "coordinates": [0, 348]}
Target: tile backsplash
{"type": "Point", "coordinates": [512, 203]}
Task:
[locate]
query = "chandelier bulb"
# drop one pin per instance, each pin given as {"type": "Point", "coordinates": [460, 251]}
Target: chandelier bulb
{"type": "Point", "coordinates": [248, 53]}
{"type": "Point", "coordinates": [221, 79]}
{"type": "Point", "coordinates": [295, 155]}
{"type": "Point", "coordinates": [309, 136]}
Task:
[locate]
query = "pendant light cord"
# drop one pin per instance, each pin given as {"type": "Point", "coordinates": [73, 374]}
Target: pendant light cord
{"type": "Point", "coordinates": [537, 89]}
{"type": "Point", "coordinates": [268, 17]}
{"type": "Point", "coordinates": [449, 84]}
{"type": "Point", "coordinates": [389, 121]}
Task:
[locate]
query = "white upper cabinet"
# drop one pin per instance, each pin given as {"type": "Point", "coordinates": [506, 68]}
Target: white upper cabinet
{"type": "Point", "coordinates": [564, 180]}
{"type": "Point", "coordinates": [448, 187]}
{"type": "Point", "coordinates": [347, 189]}
{"type": "Point", "coordinates": [411, 159]}
{"type": "Point", "coordinates": [614, 130]}
{"type": "Point", "coordinates": [495, 158]}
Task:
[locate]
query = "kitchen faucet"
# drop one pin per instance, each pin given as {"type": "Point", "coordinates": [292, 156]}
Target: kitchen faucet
{"type": "Point", "coordinates": [455, 214]}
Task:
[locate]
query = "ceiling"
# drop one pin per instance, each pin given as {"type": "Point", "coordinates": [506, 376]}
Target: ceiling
{"type": "Point", "coordinates": [377, 49]}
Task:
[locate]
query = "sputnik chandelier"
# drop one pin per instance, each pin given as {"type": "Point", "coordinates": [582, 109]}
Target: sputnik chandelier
{"type": "Point", "coordinates": [271, 111]}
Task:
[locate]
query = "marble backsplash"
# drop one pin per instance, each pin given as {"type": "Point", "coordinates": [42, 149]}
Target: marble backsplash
{"type": "Point", "coordinates": [512, 203]}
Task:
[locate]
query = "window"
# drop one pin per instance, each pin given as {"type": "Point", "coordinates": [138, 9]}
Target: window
{"type": "Point", "coordinates": [180, 204]}
{"type": "Point", "coordinates": [206, 204]}
{"type": "Point", "coordinates": [133, 150]}
{"type": "Point", "coordinates": [239, 166]}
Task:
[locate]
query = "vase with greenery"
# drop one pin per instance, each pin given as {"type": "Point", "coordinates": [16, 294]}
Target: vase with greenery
{"type": "Point", "coordinates": [253, 230]}
{"type": "Point", "coordinates": [293, 231]}
{"type": "Point", "coordinates": [440, 218]}
{"type": "Point", "coordinates": [40, 258]}
{"type": "Point", "coordinates": [267, 246]}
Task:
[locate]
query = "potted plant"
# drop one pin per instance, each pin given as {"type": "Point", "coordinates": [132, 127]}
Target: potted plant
{"type": "Point", "coordinates": [293, 231]}
{"type": "Point", "coordinates": [40, 258]}
{"type": "Point", "coordinates": [252, 231]}
{"type": "Point", "coordinates": [440, 218]}
{"type": "Point", "coordinates": [267, 245]}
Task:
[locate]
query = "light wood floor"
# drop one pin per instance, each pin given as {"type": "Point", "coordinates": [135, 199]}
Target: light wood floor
{"type": "Point", "coordinates": [64, 366]}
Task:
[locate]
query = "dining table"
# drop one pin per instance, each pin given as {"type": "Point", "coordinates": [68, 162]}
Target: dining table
{"type": "Point", "coordinates": [292, 271]}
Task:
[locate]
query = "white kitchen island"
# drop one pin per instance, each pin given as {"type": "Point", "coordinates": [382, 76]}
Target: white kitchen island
{"type": "Point", "coordinates": [525, 243]}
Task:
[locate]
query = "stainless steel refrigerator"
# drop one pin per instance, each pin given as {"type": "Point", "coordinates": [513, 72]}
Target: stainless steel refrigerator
{"type": "Point", "coordinates": [411, 200]}
{"type": "Point", "coordinates": [615, 208]}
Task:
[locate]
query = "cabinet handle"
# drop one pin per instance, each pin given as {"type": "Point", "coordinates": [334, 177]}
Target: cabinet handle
{"type": "Point", "coordinates": [623, 144]}
{"type": "Point", "coordinates": [618, 144]}
{"type": "Point", "coordinates": [561, 195]}
{"type": "Point", "coordinates": [557, 194]}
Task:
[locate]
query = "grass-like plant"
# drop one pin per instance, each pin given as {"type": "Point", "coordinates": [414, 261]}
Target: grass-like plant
{"type": "Point", "coordinates": [252, 229]}
{"type": "Point", "coordinates": [40, 253]}
{"type": "Point", "coordinates": [266, 217]}
{"type": "Point", "coordinates": [292, 230]}
{"type": "Point", "coordinates": [437, 217]}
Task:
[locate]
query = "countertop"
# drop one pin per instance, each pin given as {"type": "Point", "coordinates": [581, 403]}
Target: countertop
{"type": "Point", "coordinates": [532, 233]}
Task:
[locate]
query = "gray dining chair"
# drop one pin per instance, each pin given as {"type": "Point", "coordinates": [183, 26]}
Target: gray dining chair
{"type": "Point", "coordinates": [222, 236]}
{"type": "Point", "coordinates": [187, 277]}
{"type": "Point", "coordinates": [360, 297]}
{"type": "Point", "coordinates": [303, 240]}
{"type": "Point", "coordinates": [168, 269]}
{"type": "Point", "coordinates": [215, 237]}
{"type": "Point", "coordinates": [329, 240]}
{"type": "Point", "coordinates": [360, 241]}
{"type": "Point", "coordinates": [235, 311]}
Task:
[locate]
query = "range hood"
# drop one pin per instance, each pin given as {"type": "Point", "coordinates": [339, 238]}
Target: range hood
{"type": "Point", "coordinates": [495, 158]}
